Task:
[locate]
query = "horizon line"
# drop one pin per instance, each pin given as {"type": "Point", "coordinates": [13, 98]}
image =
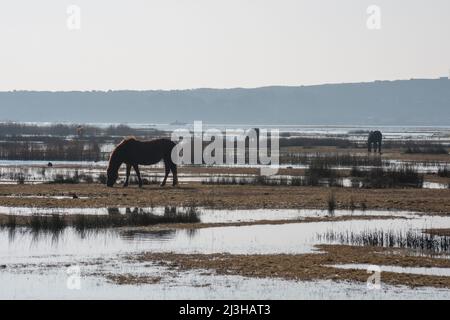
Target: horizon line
{"type": "Point", "coordinates": [226, 88]}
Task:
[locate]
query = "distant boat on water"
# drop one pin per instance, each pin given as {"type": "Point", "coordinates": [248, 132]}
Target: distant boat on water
{"type": "Point", "coordinates": [178, 123]}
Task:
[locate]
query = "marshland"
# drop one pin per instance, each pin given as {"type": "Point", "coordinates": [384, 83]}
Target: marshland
{"type": "Point", "coordinates": [224, 150]}
{"type": "Point", "coordinates": [309, 231]}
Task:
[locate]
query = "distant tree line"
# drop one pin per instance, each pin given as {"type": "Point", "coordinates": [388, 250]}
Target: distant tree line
{"type": "Point", "coordinates": [63, 142]}
{"type": "Point", "coordinates": [64, 130]}
{"type": "Point", "coordinates": [58, 150]}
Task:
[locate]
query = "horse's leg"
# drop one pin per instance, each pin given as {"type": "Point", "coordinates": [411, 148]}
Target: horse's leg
{"type": "Point", "coordinates": [138, 173]}
{"type": "Point", "coordinates": [128, 176]}
{"type": "Point", "coordinates": [173, 168]}
{"type": "Point", "coordinates": [167, 168]}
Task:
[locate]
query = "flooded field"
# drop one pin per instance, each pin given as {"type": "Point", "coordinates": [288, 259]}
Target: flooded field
{"type": "Point", "coordinates": [45, 283]}
{"type": "Point", "coordinates": [95, 173]}
{"type": "Point", "coordinates": [28, 255]}
{"type": "Point", "coordinates": [224, 150]}
{"type": "Point", "coordinates": [41, 282]}
{"type": "Point", "coordinates": [297, 235]}
{"type": "Point", "coordinates": [409, 270]}
{"type": "Point", "coordinates": [310, 232]}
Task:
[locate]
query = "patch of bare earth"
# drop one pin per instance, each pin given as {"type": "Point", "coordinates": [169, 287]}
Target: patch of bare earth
{"type": "Point", "coordinates": [438, 232]}
{"type": "Point", "coordinates": [160, 227]}
{"type": "Point", "coordinates": [309, 267]}
{"type": "Point", "coordinates": [130, 279]}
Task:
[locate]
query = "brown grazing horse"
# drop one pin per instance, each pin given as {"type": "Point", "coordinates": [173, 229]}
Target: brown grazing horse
{"type": "Point", "coordinates": [133, 153]}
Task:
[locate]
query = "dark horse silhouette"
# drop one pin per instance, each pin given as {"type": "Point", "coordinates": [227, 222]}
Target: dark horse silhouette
{"type": "Point", "coordinates": [375, 139]}
{"type": "Point", "coordinates": [133, 153]}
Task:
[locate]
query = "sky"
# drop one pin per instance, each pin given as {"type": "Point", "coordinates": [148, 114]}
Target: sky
{"type": "Point", "coordinates": [184, 44]}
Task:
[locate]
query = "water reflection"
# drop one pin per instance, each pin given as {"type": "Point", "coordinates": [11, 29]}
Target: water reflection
{"type": "Point", "coordinates": [295, 238]}
{"type": "Point", "coordinates": [161, 235]}
{"type": "Point", "coordinates": [54, 225]}
{"type": "Point", "coordinates": [113, 211]}
{"type": "Point", "coordinates": [409, 239]}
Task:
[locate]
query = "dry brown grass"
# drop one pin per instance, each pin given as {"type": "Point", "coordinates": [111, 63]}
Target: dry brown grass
{"type": "Point", "coordinates": [244, 197]}
{"type": "Point", "coordinates": [438, 232]}
{"type": "Point", "coordinates": [308, 267]}
{"type": "Point", "coordinates": [130, 279]}
{"type": "Point", "coordinates": [388, 154]}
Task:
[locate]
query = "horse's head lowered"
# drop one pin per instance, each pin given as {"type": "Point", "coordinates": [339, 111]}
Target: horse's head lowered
{"type": "Point", "coordinates": [112, 176]}
{"type": "Point", "coordinates": [113, 168]}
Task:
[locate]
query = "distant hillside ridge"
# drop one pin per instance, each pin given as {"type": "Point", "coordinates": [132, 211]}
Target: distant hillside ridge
{"type": "Point", "coordinates": [401, 102]}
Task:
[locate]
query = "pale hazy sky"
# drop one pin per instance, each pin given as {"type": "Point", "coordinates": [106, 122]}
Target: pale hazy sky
{"type": "Point", "coordinates": [177, 44]}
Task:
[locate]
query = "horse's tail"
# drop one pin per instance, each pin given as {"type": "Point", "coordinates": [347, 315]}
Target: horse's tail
{"type": "Point", "coordinates": [172, 159]}
{"type": "Point", "coordinates": [171, 156]}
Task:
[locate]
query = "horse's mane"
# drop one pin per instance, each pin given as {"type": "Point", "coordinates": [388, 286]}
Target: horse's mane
{"type": "Point", "coordinates": [127, 139]}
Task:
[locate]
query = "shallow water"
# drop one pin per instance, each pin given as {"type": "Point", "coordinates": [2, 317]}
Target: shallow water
{"type": "Point", "coordinates": [34, 172]}
{"type": "Point", "coordinates": [52, 283]}
{"type": "Point", "coordinates": [211, 215]}
{"type": "Point", "coordinates": [292, 238]}
{"type": "Point", "coordinates": [43, 164]}
{"type": "Point", "coordinates": [34, 265]}
{"type": "Point", "coordinates": [434, 185]}
{"type": "Point", "coordinates": [443, 272]}
{"type": "Point", "coordinates": [261, 239]}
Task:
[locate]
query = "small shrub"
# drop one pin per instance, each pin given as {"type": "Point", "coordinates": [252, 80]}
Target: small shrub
{"type": "Point", "coordinates": [352, 205]}
{"type": "Point", "coordinates": [444, 172]}
{"type": "Point", "coordinates": [426, 150]}
{"type": "Point", "coordinates": [331, 202]}
{"type": "Point", "coordinates": [87, 178]}
{"type": "Point", "coordinates": [21, 178]}
{"type": "Point", "coordinates": [62, 179]}
{"type": "Point", "coordinates": [102, 178]}
{"type": "Point", "coordinates": [405, 176]}
{"type": "Point", "coordinates": [363, 206]}
{"type": "Point", "coordinates": [357, 172]}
